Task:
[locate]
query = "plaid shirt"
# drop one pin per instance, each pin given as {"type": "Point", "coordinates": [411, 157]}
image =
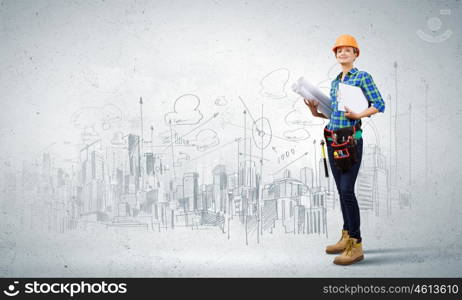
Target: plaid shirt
{"type": "Point", "coordinates": [360, 79]}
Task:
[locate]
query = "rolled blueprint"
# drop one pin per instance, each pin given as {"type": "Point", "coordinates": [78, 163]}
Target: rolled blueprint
{"type": "Point", "coordinates": [305, 89]}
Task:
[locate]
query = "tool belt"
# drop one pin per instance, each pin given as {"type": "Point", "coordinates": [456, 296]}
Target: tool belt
{"type": "Point", "coordinates": [343, 145]}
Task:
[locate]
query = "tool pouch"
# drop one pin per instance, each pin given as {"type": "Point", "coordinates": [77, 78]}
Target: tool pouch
{"type": "Point", "coordinates": [343, 147]}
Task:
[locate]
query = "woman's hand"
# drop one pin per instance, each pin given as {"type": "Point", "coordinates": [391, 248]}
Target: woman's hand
{"type": "Point", "coordinates": [351, 114]}
{"type": "Point", "coordinates": [312, 105]}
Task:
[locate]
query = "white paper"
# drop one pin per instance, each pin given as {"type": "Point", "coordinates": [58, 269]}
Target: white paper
{"type": "Point", "coordinates": [352, 97]}
{"type": "Point", "coordinates": [307, 90]}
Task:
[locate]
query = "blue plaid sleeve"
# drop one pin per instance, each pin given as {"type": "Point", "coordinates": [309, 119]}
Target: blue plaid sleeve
{"type": "Point", "coordinates": [371, 92]}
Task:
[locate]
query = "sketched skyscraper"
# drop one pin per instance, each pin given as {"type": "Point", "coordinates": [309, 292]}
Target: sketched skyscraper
{"type": "Point", "coordinates": [96, 184]}
{"type": "Point", "coordinates": [328, 185]}
{"type": "Point", "coordinates": [220, 185]}
{"type": "Point", "coordinates": [149, 163]}
{"type": "Point", "coordinates": [247, 171]}
{"type": "Point", "coordinates": [307, 177]}
{"type": "Point", "coordinates": [324, 182]}
{"type": "Point", "coordinates": [134, 154]}
{"type": "Point", "coordinates": [191, 191]}
{"type": "Point", "coordinates": [46, 165]}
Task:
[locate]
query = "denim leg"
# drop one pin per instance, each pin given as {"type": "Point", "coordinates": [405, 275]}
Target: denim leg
{"type": "Point", "coordinates": [337, 177]}
{"type": "Point", "coordinates": [348, 197]}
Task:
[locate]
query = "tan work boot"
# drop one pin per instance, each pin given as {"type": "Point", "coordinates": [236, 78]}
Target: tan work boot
{"type": "Point", "coordinates": [352, 254]}
{"type": "Point", "coordinates": [340, 245]}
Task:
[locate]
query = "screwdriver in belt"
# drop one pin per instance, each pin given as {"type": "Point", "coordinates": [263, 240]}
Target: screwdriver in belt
{"type": "Point", "coordinates": [324, 158]}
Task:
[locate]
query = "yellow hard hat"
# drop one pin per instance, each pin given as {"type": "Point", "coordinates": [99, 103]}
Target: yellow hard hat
{"type": "Point", "coordinates": [345, 40]}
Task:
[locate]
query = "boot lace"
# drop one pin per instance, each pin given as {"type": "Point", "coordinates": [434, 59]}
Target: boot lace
{"type": "Point", "coordinates": [349, 247]}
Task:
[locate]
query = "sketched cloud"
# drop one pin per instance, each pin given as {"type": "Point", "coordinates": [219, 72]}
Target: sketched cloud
{"type": "Point", "coordinates": [301, 116]}
{"type": "Point", "coordinates": [273, 84]}
{"type": "Point", "coordinates": [206, 139]}
{"type": "Point", "coordinates": [185, 111]}
{"type": "Point", "coordinates": [297, 134]}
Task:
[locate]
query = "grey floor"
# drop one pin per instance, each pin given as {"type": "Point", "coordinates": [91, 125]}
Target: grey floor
{"type": "Point", "coordinates": [394, 247]}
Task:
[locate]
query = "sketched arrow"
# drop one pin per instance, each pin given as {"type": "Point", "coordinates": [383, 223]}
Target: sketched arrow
{"type": "Point", "coordinates": [306, 153]}
{"type": "Point", "coordinates": [247, 109]}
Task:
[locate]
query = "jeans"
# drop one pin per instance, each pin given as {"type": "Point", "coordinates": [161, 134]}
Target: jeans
{"type": "Point", "coordinates": [345, 186]}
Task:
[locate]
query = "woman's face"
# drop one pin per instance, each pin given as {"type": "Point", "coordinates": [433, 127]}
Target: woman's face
{"type": "Point", "coordinates": [346, 55]}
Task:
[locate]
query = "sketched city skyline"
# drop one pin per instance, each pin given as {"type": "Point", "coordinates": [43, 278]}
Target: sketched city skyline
{"type": "Point", "coordinates": [154, 181]}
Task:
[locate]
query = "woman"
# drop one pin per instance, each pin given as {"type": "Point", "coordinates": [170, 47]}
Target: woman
{"type": "Point", "coordinates": [347, 125]}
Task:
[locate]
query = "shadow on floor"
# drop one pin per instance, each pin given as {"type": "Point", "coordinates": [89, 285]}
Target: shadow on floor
{"type": "Point", "coordinates": [386, 256]}
{"type": "Point", "coordinates": [394, 250]}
